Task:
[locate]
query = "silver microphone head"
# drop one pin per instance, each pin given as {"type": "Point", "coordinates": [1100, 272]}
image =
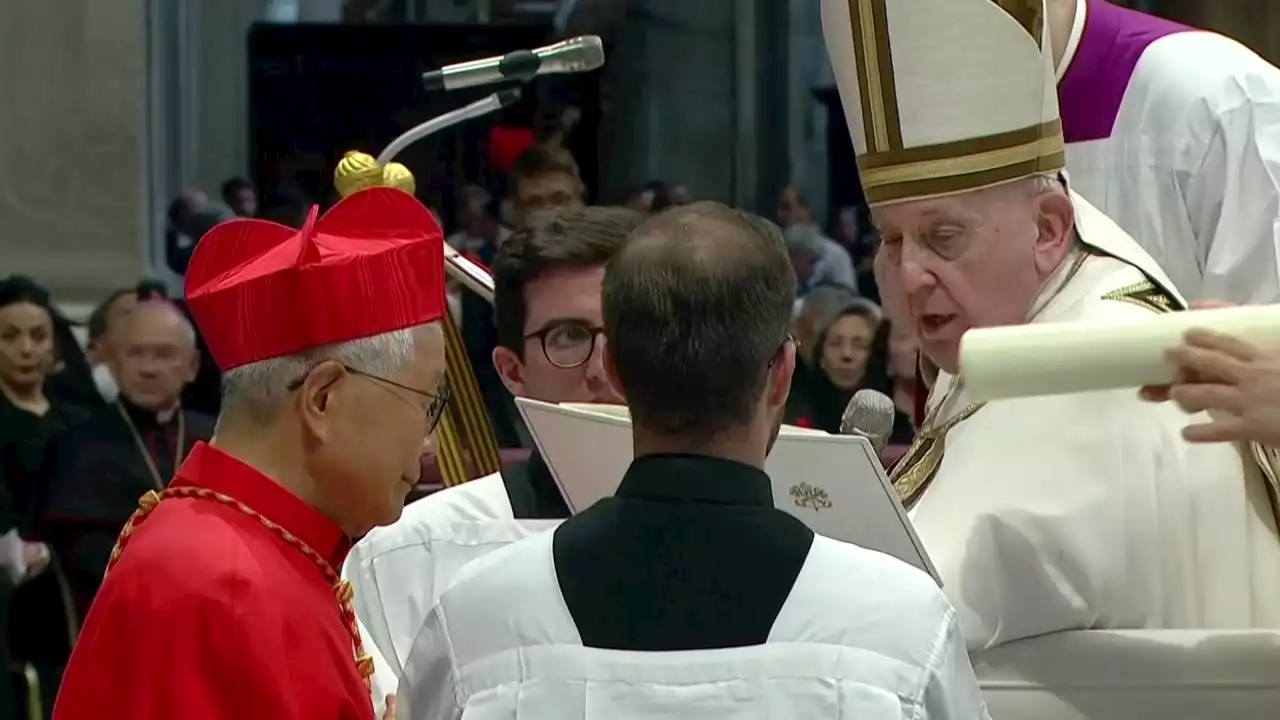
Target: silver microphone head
{"type": "Point", "coordinates": [580, 54]}
{"type": "Point", "coordinates": [869, 414]}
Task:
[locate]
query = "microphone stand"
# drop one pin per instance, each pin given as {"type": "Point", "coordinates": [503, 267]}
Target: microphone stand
{"type": "Point", "coordinates": [476, 278]}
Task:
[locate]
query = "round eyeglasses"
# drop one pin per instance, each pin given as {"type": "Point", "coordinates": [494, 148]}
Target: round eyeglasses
{"type": "Point", "coordinates": [567, 344]}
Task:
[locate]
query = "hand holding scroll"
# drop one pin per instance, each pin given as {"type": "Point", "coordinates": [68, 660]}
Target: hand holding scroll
{"type": "Point", "coordinates": [1236, 382]}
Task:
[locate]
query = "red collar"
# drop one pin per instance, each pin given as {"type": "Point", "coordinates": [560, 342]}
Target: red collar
{"type": "Point", "coordinates": [212, 469]}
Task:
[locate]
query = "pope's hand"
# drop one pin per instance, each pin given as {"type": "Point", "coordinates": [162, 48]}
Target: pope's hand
{"type": "Point", "coordinates": [390, 712]}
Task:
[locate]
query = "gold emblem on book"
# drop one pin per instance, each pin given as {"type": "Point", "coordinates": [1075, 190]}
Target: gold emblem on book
{"type": "Point", "coordinates": [808, 496]}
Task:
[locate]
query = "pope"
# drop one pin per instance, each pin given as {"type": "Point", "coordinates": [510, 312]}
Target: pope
{"type": "Point", "coordinates": [1044, 514]}
{"type": "Point", "coordinates": [222, 600]}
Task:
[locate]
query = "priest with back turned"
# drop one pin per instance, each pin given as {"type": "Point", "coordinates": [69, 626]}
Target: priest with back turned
{"type": "Point", "coordinates": [688, 594]}
{"type": "Point", "coordinates": [222, 600]}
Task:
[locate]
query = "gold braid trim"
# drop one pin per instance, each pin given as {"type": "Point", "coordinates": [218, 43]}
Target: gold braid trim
{"type": "Point", "coordinates": [465, 423]}
{"type": "Point", "coordinates": [472, 429]}
{"type": "Point", "coordinates": [341, 588]}
{"type": "Point", "coordinates": [453, 466]}
{"type": "Point", "coordinates": [1145, 294]}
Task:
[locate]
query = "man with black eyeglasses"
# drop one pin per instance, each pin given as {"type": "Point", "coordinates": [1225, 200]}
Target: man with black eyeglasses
{"type": "Point", "coordinates": [549, 347]}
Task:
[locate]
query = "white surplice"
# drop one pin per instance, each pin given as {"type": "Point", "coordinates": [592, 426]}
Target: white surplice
{"type": "Point", "coordinates": [861, 635]}
{"type": "Point", "coordinates": [397, 572]}
{"type": "Point", "coordinates": [1090, 510]}
{"type": "Point", "coordinates": [1175, 134]}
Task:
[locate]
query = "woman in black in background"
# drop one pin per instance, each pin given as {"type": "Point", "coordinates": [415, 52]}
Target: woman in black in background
{"type": "Point", "coordinates": [36, 625]}
{"type": "Point", "coordinates": [850, 353]}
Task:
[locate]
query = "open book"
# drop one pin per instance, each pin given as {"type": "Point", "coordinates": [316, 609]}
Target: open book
{"type": "Point", "coordinates": [833, 483]}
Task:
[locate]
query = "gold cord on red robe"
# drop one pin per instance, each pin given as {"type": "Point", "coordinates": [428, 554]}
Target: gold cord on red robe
{"type": "Point", "coordinates": [341, 588]}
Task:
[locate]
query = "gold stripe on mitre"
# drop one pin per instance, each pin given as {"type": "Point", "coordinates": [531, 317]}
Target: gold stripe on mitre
{"type": "Point", "coordinates": [961, 165]}
{"type": "Point", "coordinates": [894, 164]}
{"type": "Point", "coordinates": [466, 446]}
{"type": "Point", "coordinates": [873, 58]}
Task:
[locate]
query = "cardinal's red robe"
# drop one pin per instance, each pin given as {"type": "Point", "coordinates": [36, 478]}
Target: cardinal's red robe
{"type": "Point", "coordinates": [215, 611]}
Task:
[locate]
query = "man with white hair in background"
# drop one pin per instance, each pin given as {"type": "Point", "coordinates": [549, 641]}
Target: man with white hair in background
{"type": "Point", "coordinates": [818, 260]}
{"type": "Point", "coordinates": [1044, 514]}
{"type": "Point", "coordinates": [126, 448]}
{"type": "Point", "coordinates": [222, 599]}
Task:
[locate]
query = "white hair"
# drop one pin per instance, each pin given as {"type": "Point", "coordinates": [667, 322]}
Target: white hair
{"type": "Point", "coordinates": [1044, 182]}
{"type": "Point", "coordinates": [255, 390]}
{"type": "Point", "coordinates": [804, 239]}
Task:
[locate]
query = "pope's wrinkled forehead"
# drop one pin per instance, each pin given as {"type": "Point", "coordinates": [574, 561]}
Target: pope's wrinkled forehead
{"type": "Point", "coordinates": [968, 207]}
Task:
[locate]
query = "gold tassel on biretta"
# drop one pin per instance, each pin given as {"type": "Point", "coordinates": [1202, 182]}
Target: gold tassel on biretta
{"type": "Point", "coordinates": [466, 446]}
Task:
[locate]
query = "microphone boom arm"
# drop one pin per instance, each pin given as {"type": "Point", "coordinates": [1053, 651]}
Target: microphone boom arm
{"type": "Point", "coordinates": [476, 278]}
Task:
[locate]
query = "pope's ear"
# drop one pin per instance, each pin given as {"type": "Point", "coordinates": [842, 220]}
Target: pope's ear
{"type": "Point", "coordinates": [1056, 218]}
{"type": "Point", "coordinates": [317, 396]}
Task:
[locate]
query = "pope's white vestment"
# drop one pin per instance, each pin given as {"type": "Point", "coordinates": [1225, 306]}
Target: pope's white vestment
{"type": "Point", "coordinates": [1090, 510]}
{"type": "Point", "coordinates": [1064, 512]}
{"type": "Point", "coordinates": [1175, 134]}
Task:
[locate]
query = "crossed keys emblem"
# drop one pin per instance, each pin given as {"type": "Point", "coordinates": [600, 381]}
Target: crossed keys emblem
{"type": "Point", "coordinates": [808, 496]}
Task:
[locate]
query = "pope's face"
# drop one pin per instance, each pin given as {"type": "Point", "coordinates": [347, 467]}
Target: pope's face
{"type": "Point", "coordinates": [959, 262]}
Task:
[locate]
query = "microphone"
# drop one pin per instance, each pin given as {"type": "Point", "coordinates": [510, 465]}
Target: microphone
{"type": "Point", "coordinates": [575, 55]}
{"type": "Point", "coordinates": [460, 268]}
{"type": "Point", "coordinates": [869, 414]}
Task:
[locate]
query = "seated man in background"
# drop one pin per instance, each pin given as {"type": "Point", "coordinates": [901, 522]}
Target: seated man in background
{"type": "Point", "coordinates": [547, 307]}
{"type": "Point", "coordinates": [688, 594]}
{"type": "Point", "coordinates": [1053, 513]}
{"type": "Point", "coordinates": [104, 327]}
{"type": "Point", "coordinates": [125, 448]}
{"type": "Point", "coordinates": [818, 260]}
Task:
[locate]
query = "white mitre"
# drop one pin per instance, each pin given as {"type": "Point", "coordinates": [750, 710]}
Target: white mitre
{"type": "Point", "coordinates": [949, 96]}
{"type": "Point", "coordinates": [944, 96]}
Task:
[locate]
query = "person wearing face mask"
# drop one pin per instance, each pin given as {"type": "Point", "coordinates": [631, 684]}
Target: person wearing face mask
{"type": "Point", "coordinates": [546, 306]}
{"type": "Point", "coordinates": [1053, 513]}
{"type": "Point", "coordinates": [103, 324]}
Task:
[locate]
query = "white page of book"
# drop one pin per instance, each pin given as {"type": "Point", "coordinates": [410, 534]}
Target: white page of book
{"type": "Point", "coordinates": [835, 484]}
